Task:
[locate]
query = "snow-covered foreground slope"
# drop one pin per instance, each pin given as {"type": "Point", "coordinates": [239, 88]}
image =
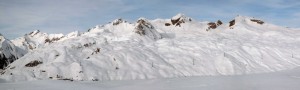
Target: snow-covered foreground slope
{"type": "Point", "coordinates": [154, 49]}
{"type": "Point", "coordinates": [285, 80]}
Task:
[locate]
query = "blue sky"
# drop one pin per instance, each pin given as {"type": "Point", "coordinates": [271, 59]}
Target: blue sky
{"type": "Point", "coordinates": [18, 17]}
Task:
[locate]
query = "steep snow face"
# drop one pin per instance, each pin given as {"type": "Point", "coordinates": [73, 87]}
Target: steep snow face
{"type": "Point", "coordinates": [118, 52]}
{"type": "Point", "coordinates": [8, 52]}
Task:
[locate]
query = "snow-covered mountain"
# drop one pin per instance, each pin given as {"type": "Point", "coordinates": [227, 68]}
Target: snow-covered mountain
{"type": "Point", "coordinates": [160, 48]}
{"type": "Point", "coordinates": [37, 39]}
{"type": "Point", "coordinates": [8, 52]}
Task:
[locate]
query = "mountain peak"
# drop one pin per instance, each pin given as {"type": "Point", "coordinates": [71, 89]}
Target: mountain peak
{"type": "Point", "coordinates": [34, 32]}
{"type": "Point", "coordinates": [145, 28]}
{"type": "Point", "coordinates": [153, 49]}
{"type": "Point", "coordinates": [179, 19]}
{"type": "Point", "coordinates": [118, 21]}
{"type": "Point", "coordinates": [179, 15]}
{"type": "Point", "coordinates": [246, 20]}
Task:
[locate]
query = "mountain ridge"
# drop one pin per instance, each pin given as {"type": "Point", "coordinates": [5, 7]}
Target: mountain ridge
{"type": "Point", "coordinates": [153, 49]}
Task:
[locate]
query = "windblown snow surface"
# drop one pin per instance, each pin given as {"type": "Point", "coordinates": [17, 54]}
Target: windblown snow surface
{"type": "Point", "coordinates": [282, 80]}
{"type": "Point", "coordinates": [149, 49]}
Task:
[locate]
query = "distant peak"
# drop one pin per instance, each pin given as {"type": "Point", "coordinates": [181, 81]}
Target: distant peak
{"type": "Point", "coordinates": [180, 18]}
{"type": "Point", "coordinates": [118, 21]}
{"type": "Point", "coordinates": [239, 17]}
{"type": "Point", "coordinates": [143, 21]}
{"type": "Point", "coordinates": [245, 20]}
{"type": "Point", "coordinates": [34, 32]}
{"type": "Point", "coordinates": [1, 37]}
{"type": "Point", "coordinates": [142, 18]}
{"type": "Point", "coordinates": [179, 15]}
{"type": "Point", "coordinates": [37, 31]}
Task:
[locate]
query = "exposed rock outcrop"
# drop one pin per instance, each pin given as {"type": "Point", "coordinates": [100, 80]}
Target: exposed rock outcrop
{"type": "Point", "coordinates": [213, 25]}
{"type": "Point", "coordinates": [179, 19]}
{"type": "Point", "coordinates": [231, 23]}
{"type": "Point", "coordinates": [118, 21]}
{"type": "Point", "coordinates": [145, 28]}
{"type": "Point", "coordinates": [257, 21]}
{"type": "Point", "coordinates": [167, 24]}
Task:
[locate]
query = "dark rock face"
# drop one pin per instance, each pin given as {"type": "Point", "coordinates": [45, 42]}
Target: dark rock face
{"type": "Point", "coordinates": [33, 63]}
{"type": "Point", "coordinates": [34, 32]}
{"type": "Point", "coordinates": [53, 39]}
{"type": "Point", "coordinates": [176, 21]}
{"type": "Point", "coordinates": [146, 29]}
{"type": "Point", "coordinates": [118, 21]}
{"type": "Point", "coordinates": [140, 30]}
{"type": "Point", "coordinates": [219, 22]}
{"type": "Point", "coordinates": [8, 52]}
{"type": "Point", "coordinates": [179, 19]}
{"type": "Point", "coordinates": [231, 23]}
{"type": "Point", "coordinates": [212, 25]}
{"type": "Point", "coordinates": [258, 21]}
{"type": "Point", "coordinates": [141, 26]}
{"type": "Point", "coordinates": [167, 24]}
{"type": "Point", "coordinates": [4, 61]}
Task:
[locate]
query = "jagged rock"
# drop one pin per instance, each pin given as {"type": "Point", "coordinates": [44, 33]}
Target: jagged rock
{"type": "Point", "coordinates": [141, 24]}
{"type": "Point", "coordinates": [145, 28]}
{"type": "Point", "coordinates": [179, 19]}
{"type": "Point", "coordinates": [231, 23]}
{"type": "Point", "coordinates": [167, 24]}
{"type": "Point", "coordinates": [219, 22]}
{"type": "Point", "coordinates": [258, 21]}
{"type": "Point", "coordinates": [118, 21]}
{"type": "Point", "coordinates": [33, 63]}
{"type": "Point", "coordinates": [53, 39]}
{"type": "Point", "coordinates": [214, 25]}
{"type": "Point", "coordinates": [34, 32]}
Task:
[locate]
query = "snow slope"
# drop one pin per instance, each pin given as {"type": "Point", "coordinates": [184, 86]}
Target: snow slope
{"type": "Point", "coordinates": [283, 80]}
{"type": "Point", "coordinates": [151, 49]}
{"type": "Point", "coordinates": [8, 52]}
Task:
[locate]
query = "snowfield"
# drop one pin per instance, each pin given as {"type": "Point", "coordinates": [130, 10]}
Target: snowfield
{"type": "Point", "coordinates": [155, 49]}
{"type": "Point", "coordinates": [283, 80]}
